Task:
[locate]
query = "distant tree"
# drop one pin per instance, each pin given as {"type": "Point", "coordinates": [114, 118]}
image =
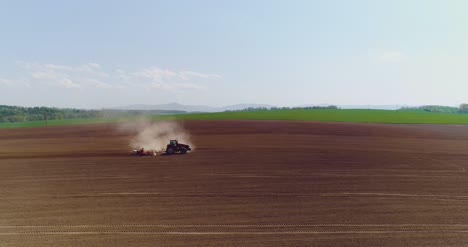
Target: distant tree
{"type": "Point", "coordinates": [463, 108]}
{"type": "Point", "coordinates": [432, 108]}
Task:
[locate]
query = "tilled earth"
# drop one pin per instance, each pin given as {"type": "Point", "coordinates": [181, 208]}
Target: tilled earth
{"type": "Point", "coordinates": [248, 183]}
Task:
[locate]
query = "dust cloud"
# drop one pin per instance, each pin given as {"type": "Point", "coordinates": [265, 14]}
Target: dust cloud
{"type": "Point", "coordinates": [155, 135]}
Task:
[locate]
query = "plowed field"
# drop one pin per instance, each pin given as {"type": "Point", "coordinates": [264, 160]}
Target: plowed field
{"type": "Point", "coordinates": [248, 183]}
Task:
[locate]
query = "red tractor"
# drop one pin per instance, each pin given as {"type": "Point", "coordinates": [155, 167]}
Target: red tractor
{"type": "Point", "coordinates": [175, 147]}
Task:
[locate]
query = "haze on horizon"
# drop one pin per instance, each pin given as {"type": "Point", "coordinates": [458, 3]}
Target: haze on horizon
{"type": "Point", "coordinates": [92, 54]}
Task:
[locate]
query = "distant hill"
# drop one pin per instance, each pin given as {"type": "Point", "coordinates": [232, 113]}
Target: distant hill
{"type": "Point", "coordinates": [168, 107]}
{"type": "Point", "coordinates": [372, 107]}
{"type": "Point", "coordinates": [202, 108]}
{"type": "Point", "coordinates": [245, 106]}
{"type": "Point", "coordinates": [117, 112]}
{"type": "Point", "coordinates": [190, 108]}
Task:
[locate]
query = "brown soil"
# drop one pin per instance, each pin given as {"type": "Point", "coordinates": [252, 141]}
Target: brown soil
{"type": "Point", "coordinates": [248, 183]}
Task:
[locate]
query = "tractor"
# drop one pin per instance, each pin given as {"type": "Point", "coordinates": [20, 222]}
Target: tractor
{"type": "Point", "coordinates": [175, 147]}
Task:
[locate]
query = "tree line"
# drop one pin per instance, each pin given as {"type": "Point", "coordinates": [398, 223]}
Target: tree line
{"type": "Point", "coordinates": [330, 107]}
{"type": "Point", "coordinates": [23, 114]}
{"type": "Point", "coordinates": [463, 108]}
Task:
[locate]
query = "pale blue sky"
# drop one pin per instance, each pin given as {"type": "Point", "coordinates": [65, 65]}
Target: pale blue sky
{"type": "Point", "coordinates": [95, 54]}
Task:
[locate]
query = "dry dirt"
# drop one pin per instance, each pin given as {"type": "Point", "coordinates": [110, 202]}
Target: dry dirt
{"type": "Point", "coordinates": [248, 183]}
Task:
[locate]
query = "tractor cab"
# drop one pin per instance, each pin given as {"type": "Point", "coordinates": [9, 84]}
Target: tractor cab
{"type": "Point", "coordinates": [175, 147]}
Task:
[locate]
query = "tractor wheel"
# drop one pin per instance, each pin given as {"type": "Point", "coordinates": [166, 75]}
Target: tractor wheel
{"type": "Point", "coordinates": [170, 151]}
{"type": "Point", "coordinates": [183, 150]}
